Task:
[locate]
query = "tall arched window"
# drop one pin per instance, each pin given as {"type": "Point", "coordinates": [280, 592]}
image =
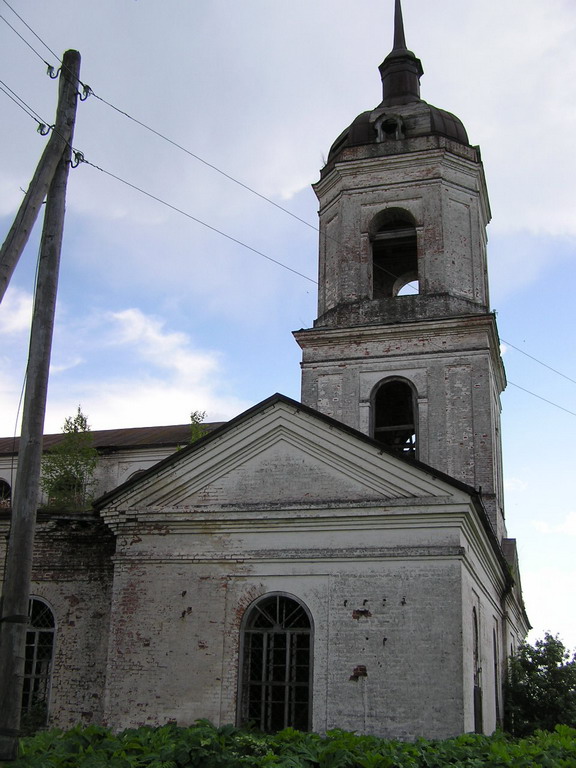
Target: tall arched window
{"type": "Point", "coordinates": [496, 676]}
{"type": "Point", "coordinates": [5, 494]}
{"type": "Point", "coordinates": [394, 417]}
{"type": "Point", "coordinates": [38, 662]}
{"type": "Point", "coordinates": [276, 665]}
{"type": "Point", "coordinates": [477, 671]}
{"type": "Point", "coordinates": [394, 255]}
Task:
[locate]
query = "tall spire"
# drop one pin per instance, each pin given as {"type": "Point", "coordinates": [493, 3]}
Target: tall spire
{"type": "Point", "coordinates": [399, 38]}
{"type": "Point", "coordinates": [400, 70]}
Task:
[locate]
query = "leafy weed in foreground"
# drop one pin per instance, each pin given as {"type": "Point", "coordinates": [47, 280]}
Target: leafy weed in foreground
{"type": "Point", "coordinates": [205, 746]}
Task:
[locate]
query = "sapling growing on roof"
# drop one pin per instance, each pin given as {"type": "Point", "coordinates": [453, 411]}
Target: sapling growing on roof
{"type": "Point", "coordinates": [68, 468]}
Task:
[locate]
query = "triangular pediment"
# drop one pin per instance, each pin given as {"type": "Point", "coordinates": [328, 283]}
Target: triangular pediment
{"type": "Point", "coordinates": [279, 454]}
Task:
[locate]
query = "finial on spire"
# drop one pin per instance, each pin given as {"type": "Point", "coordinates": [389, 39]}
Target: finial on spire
{"type": "Point", "coordinates": [399, 37]}
{"type": "Point", "coordinates": [400, 70]}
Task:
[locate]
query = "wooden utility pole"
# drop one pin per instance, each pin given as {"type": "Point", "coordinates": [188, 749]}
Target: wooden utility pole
{"type": "Point", "coordinates": [18, 568]}
{"type": "Point", "coordinates": [60, 137]}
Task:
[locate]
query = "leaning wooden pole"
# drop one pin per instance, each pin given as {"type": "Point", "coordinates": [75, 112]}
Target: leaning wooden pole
{"type": "Point", "coordinates": [60, 137]}
{"type": "Point", "coordinates": [18, 570]}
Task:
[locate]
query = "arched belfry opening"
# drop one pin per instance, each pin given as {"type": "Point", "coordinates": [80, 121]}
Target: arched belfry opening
{"type": "Point", "coordinates": [276, 665]}
{"type": "Point", "coordinates": [394, 417]}
{"type": "Point", "coordinates": [394, 254]}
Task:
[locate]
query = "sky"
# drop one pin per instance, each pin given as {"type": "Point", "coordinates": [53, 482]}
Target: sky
{"type": "Point", "coordinates": [159, 315]}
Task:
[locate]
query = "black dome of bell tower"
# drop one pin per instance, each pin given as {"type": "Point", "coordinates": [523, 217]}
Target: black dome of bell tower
{"type": "Point", "coordinates": [402, 114]}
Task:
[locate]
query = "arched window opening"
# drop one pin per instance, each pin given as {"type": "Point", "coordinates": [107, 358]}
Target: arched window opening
{"type": "Point", "coordinates": [394, 422]}
{"type": "Point", "coordinates": [407, 285]}
{"type": "Point", "coordinates": [496, 678]}
{"type": "Point", "coordinates": [38, 663]}
{"type": "Point", "coordinates": [5, 495]}
{"type": "Point", "coordinates": [394, 258]}
{"type": "Point", "coordinates": [390, 128]}
{"type": "Point", "coordinates": [477, 670]}
{"type": "Point", "coordinates": [276, 665]}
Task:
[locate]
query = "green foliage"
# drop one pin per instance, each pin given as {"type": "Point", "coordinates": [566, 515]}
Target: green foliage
{"type": "Point", "coordinates": [32, 720]}
{"type": "Point", "coordinates": [197, 428]}
{"type": "Point", "coordinates": [205, 746]}
{"type": "Point", "coordinates": [68, 468]}
{"type": "Point", "coordinates": [541, 687]}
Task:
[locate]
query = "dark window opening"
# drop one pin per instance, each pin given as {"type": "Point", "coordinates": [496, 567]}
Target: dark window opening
{"type": "Point", "coordinates": [394, 423]}
{"type": "Point", "coordinates": [5, 495]}
{"type": "Point", "coordinates": [276, 665]}
{"type": "Point", "coordinates": [37, 664]}
{"type": "Point", "coordinates": [394, 260]}
{"type": "Point", "coordinates": [390, 128]}
{"type": "Point", "coordinates": [477, 671]}
{"type": "Point", "coordinates": [496, 679]}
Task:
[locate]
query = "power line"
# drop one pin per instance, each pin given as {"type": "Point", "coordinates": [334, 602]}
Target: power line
{"type": "Point", "coordinates": [43, 129]}
{"type": "Point", "coordinates": [5, 20]}
{"type": "Point", "coordinates": [550, 402]}
{"type": "Point", "coordinates": [205, 162]}
{"type": "Point", "coordinates": [31, 30]}
{"type": "Point", "coordinates": [89, 91]}
{"type": "Point", "coordinates": [256, 251]}
{"type": "Point", "coordinates": [21, 103]}
{"type": "Point", "coordinates": [540, 362]}
{"type": "Point", "coordinates": [81, 159]}
{"type": "Point", "coordinates": [50, 69]}
{"type": "Point", "coordinates": [160, 135]}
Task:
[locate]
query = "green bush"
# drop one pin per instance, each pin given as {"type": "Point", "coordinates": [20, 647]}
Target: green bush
{"type": "Point", "coordinates": [541, 687]}
{"type": "Point", "coordinates": [204, 746]}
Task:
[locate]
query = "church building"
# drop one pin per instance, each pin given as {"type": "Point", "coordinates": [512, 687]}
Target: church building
{"type": "Point", "coordinates": [340, 562]}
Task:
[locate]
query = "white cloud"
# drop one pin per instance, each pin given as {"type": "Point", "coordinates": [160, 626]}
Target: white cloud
{"type": "Point", "coordinates": [515, 484]}
{"type": "Point", "coordinates": [161, 348]}
{"type": "Point", "coordinates": [566, 527]}
{"type": "Point", "coordinates": [15, 312]}
{"type": "Point", "coordinates": [545, 591]}
{"type": "Point", "coordinates": [67, 366]}
{"type": "Point", "coordinates": [151, 401]}
{"type": "Point", "coordinates": [162, 378]}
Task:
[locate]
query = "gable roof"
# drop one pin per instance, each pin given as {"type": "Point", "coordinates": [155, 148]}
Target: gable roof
{"type": "Point", "coordinates": [169, 482]}
{"type": "Point", "coordinates": [413, 478]}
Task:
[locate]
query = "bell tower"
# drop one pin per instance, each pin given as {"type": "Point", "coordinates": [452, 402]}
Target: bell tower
{"type": "Point", "coordinates": [405, 348]}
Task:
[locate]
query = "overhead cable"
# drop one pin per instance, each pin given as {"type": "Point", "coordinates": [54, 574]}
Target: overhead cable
{"type": "Point", "coordinates": [31, 30]}
{"type": "Point", "coordinates": [550, 402]}
{"type": "Point", "coordinates": [87, 90]}
{"type": "Point", "coordinates": [22, 104]}
{"type": "Point", "coordinates": [81, 159]}
{"type": "Point", "coordinates": [5, 20]}
{"type": "Point", "coordinates": [540, 362]}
